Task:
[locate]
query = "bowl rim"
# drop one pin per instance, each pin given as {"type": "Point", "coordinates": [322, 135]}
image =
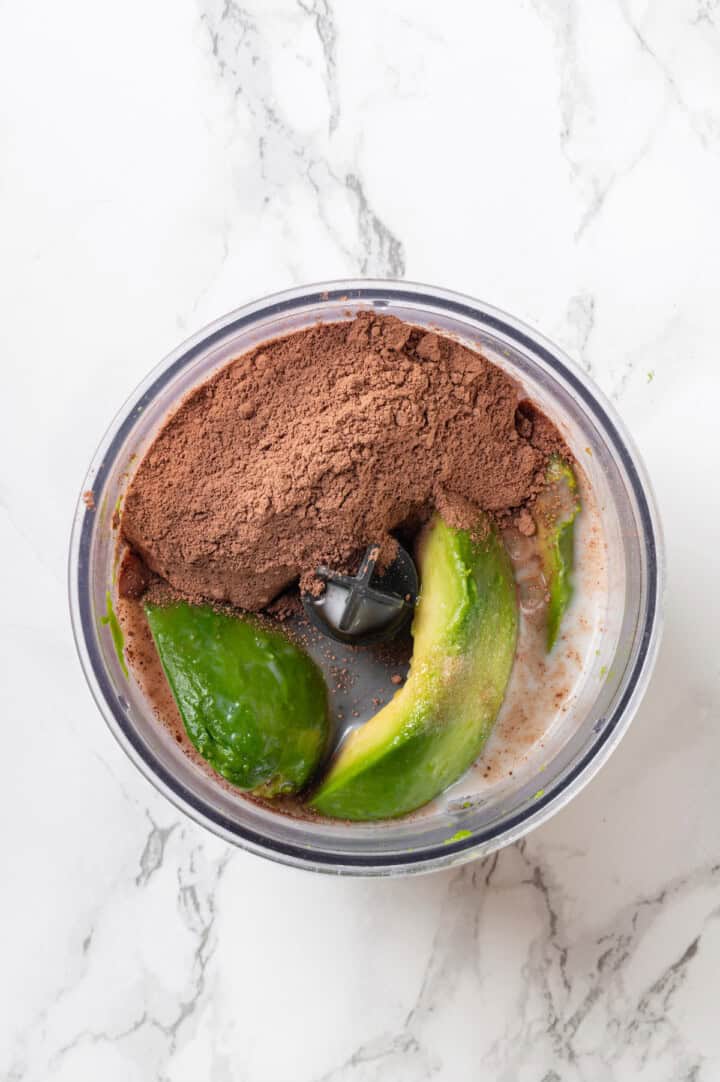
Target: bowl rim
{"type": "Point", "coordinates": [448, 854]}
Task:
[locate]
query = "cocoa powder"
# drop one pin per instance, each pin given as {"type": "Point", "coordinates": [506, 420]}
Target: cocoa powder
{"type": "Point", "coordinates": [311, 446]}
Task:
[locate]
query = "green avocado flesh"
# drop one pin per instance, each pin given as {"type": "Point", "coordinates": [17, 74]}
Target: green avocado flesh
{"type": "Point", "coordinates": [435, 726]}
{"type": "Point", "coordinates": [556, 511]}
{"type": "Point", "coordinates": [253, 704]}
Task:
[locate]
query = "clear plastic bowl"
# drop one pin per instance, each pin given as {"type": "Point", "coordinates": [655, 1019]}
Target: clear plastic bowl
{"type": "Point", "coordinates": [452, 832]}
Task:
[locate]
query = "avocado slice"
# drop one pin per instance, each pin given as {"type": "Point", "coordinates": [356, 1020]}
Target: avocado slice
{"type": "Point", "coordinates": [555, 512]}
{"type": "Point", "coordinates": [435, 726]}
{"type": "Point", "coordinates": [253, 704]}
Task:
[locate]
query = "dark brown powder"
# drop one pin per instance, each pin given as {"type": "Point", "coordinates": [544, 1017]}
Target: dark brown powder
{"type": "Point", "coordinates": [306, 449]}
{"type": "Point", "coordinates": [133, 578]}
{"type": "Point", "coordinates": [525, 523]}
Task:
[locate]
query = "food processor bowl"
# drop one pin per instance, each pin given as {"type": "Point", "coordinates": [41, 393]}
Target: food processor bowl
{"type": "Point", "coordinates": [453, 829]}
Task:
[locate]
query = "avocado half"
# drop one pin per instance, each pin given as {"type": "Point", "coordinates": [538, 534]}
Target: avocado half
{"type": "Point", "coordinates": [435, 726]}
{"type": "Point", "coordinates": [253, 704]}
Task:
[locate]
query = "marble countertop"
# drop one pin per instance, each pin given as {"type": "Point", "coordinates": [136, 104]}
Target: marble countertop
{"type": "Point", "coordinates": [166, 161]}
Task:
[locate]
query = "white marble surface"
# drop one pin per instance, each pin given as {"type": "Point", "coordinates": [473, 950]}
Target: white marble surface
{"type": "Point", "coordinates": [166, 160]}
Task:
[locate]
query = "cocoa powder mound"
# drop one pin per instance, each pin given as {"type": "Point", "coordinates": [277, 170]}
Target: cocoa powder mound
{"type": "Point", "coordinates": [309, 447]}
